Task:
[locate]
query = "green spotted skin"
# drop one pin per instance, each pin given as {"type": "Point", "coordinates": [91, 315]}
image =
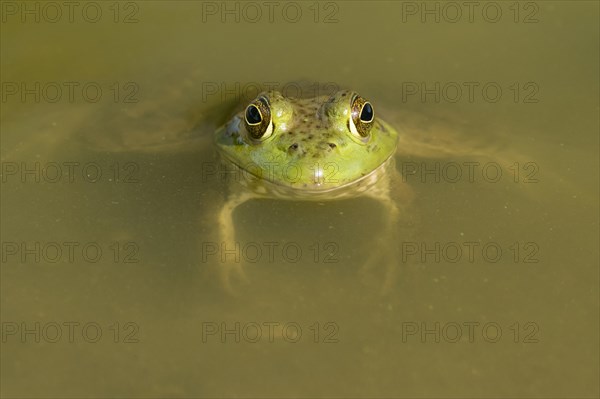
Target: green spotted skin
{"type": "Point", "coordinates": [311, 150]}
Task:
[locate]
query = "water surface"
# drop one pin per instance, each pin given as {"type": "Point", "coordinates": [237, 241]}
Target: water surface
{"type": "Point", "coordinates": [520, 324]}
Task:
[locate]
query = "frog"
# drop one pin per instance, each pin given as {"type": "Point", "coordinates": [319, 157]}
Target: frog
{"type": "Point", "coordinates": [326, 144]}
{"type": "Point", "coordinates": [329, 147]}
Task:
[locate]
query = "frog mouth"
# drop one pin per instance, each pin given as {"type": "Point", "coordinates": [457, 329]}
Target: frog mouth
{"type": "Point", "coordinates": [289, 186]}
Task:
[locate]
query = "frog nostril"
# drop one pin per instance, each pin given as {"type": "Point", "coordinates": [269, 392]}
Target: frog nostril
{"type": "Point", "coordinates": [331, 145]}
{"type": "Point", "coordinates": [294, 146]}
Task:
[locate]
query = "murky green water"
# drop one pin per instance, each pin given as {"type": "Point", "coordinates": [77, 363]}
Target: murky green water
{"type": "Point", "coordinates": [110, 196]}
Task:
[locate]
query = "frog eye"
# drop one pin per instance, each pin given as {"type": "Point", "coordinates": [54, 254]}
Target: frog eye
{"type": "Point", "coordinates": [258, 119]}
{"type": "Point", "coordinates": [362, 117]}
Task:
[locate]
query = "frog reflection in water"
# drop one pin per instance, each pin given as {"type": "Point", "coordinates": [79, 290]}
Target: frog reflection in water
{"type": "Point", "coordinates": [317, 149]}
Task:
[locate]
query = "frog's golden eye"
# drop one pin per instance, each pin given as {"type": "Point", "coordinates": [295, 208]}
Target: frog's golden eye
{"type": "Point", "coordinates": [362, 117]}
{"type": "Point", "coordinates": [258, 119]}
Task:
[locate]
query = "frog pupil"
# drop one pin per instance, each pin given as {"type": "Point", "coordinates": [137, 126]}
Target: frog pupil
{"type": "Point", "coordinates": [366, 115]}
{"type": "Point", "coordinates": [253, 115]}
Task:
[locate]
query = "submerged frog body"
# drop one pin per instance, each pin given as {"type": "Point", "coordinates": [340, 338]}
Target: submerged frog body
{"type": "Point", "coordinates": [321, 148]}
